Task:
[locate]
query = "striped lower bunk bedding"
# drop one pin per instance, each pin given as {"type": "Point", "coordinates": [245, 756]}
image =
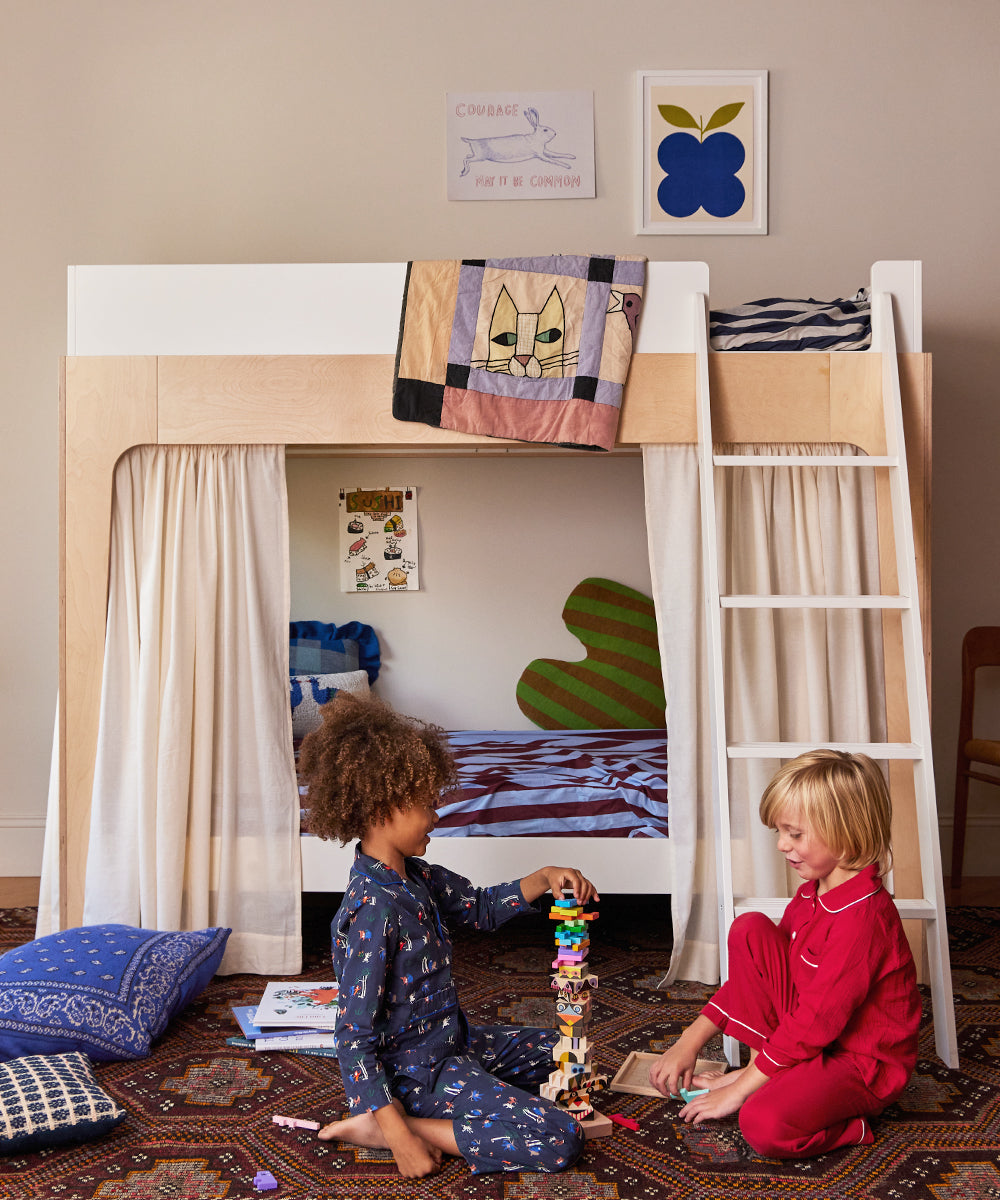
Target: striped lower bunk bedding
{"type": "Point", "coordinates": [556, 783]}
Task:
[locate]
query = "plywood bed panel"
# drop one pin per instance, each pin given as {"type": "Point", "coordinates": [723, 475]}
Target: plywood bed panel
{"type": "Point", "coordinates": [346, 401]}
{"type": "Point", "coordinates": [111, 404]}
{"type": "Point", "coordinates": [244, 369]}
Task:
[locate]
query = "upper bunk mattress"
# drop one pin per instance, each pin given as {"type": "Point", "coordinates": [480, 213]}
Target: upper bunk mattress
{"type": "Point", "coordinates": [558, 783]}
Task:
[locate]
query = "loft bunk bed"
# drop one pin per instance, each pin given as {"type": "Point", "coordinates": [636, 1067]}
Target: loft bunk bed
{"type": "Point", "coordinates": [303, 355]}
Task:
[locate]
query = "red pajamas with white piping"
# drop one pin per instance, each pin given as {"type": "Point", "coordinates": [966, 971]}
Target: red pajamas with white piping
{"type": "Point", "coordinates": [829, 1000]}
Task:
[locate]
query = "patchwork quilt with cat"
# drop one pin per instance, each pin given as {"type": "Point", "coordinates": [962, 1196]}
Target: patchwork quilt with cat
{"type": "Point", "coordinates": [535, 349]}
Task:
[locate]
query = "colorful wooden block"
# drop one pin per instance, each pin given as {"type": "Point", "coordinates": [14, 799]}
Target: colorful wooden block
{"type": "Point", "coordinates": [574, 1078]}
{"type": "Point", "coordinates": [574, 1004]}
{"type": "Point", "coordinates": [576, 982]}
{"type": "Point", "coordinates": [597, 1125]}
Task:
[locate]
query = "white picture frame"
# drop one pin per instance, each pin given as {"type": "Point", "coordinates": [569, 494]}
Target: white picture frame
{"type": "Point", "coordinates": [677, 112]}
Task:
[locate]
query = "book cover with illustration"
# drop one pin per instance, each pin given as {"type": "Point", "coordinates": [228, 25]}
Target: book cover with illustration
{"type": "Point", "coordinates": [313, 1005]}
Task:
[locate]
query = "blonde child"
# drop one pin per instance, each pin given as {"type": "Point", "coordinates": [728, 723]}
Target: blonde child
{"type": "Point", "coordinates": [827, 1001]}
{"type": "Point", "coordinates": [420, 1081]}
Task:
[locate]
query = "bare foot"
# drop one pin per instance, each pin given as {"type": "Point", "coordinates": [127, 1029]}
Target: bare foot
{"type": "Point", "coordinates": [713, 1080]}
{"type": "Point", "coordinates": [360, 1130]}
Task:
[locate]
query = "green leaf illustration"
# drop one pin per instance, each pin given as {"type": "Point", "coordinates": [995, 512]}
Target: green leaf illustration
{"type": "Point", "coordinates": [723, 115]}
{"type": "Point", "coordinates": [673, 114]}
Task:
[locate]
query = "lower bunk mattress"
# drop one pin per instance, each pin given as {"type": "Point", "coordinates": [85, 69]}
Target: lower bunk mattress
{"type": "Point", "coordinates": [556, 783]}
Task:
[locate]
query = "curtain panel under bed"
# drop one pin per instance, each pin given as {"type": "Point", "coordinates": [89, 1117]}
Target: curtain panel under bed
{"type": "Point", "coordinates": [194, 819]}
{"type": "Point", "coordinates": [791, 675]}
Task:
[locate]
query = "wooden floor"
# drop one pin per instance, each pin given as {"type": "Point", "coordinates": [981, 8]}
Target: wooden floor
{"type": "Point", "coordinates": [981, 891]}
{"type": "Point", "coordinates": [16, 893]}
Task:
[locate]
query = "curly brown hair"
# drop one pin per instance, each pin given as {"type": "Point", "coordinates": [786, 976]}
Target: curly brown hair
{"type": "Point", "coordinates": [365, 762]}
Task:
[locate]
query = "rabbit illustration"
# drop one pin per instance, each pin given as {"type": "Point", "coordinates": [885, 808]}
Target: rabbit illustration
{"type": "Point", "coordinates": [516, 147]}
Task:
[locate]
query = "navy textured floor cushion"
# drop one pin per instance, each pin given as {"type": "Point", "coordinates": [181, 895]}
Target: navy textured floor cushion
{"type": "Point", "coordinates": [46, 1099]}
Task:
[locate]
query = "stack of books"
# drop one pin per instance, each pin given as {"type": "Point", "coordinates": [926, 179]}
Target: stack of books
{"type": "Point", "coordinates": [297, 1018]}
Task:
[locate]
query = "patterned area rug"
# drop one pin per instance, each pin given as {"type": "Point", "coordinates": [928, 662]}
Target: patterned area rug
{"type": "Point", "coordinates": [200, 1127]}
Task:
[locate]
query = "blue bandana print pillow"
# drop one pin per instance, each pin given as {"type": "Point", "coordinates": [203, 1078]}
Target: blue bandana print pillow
{"type": "Point", "coordinates": [106, 990]}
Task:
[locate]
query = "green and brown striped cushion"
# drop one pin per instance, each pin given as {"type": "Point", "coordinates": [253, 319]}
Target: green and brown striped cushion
{"type": "Point", "coordinates": [619, 685]}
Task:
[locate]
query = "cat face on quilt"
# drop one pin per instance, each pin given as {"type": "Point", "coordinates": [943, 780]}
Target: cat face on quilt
{"type": "Point", "coordinates": [528, 344]}
{"type": "Point", "coordinates": [535, 345]}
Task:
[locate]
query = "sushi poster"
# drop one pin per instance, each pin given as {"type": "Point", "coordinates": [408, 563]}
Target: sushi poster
{"type": "Point", "coordinates": [378, 539]}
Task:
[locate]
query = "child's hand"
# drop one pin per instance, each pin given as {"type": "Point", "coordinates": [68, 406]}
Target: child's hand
{"type": "Point", "coordinates": [554, 879]}
{"type": "Point", "coordinates": [414, 1157]}
{"type": "Point", "coordinates": [725, 1096]}
{"type": "Point", "coordinates": [673, 1070]}
{"type": "Point", "coordinates": [722, 1102]}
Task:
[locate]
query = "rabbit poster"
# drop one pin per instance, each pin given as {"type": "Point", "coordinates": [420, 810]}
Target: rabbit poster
{"type": "Point", "coordinates": [520, 145]}
{"type": "Point", "coordinates": [378, 539]}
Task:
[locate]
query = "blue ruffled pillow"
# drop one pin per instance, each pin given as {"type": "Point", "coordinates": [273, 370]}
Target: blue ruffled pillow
{"type": "Point", "coordinates": [106, 990]}
{"type": "Point", "coordinates": [46, 1099]}
{"type": "Point", "coordinates": [318, 648]}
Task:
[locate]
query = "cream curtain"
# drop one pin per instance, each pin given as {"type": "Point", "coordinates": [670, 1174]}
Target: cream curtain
{"type": "Point", "coordinates": [791, 675]}
{"type": "Point", "coordinates": [194, 820]}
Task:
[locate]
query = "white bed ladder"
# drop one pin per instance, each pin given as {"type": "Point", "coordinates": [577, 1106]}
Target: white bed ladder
{"type": "Point", "coordinates": [930, 908]}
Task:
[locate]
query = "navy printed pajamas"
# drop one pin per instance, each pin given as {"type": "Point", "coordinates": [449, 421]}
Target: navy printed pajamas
{"type": "Point", "coordinates": [498, 1125]}
{"type": "Point", "coordinates": [401, 1033]}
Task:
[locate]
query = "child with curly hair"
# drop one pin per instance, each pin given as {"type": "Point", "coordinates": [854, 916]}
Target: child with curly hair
{"type": "Point", "coordinates": [420, 1080]}
{"type": "Point", "coordinates": [827, 1000]}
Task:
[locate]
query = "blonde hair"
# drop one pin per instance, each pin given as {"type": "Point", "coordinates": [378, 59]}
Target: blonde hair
{"type": "Point", "coordinates": [842, 798]}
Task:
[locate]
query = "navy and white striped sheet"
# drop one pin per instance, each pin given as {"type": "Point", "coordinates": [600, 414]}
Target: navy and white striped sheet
{"type": "Point", "coordinates": [558, 783]}
{"type": "Point", "coordinates": [789, 325]}
{"type": "Point", "coordinates": [553, 783]}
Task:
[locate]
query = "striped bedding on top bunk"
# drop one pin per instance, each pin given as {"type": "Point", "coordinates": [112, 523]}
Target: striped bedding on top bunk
{"type": "Point", "coordinates": [558, 783]}
{"type": "Point", "coordinates": [788, 325]}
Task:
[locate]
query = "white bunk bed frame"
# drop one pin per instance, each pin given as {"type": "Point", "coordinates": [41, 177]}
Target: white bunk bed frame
{"type": "Point", "coordinates": [302, 354]}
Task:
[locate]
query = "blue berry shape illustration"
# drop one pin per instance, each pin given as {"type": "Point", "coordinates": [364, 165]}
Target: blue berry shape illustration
{"type": "Point", "coordinates": [700, 172]}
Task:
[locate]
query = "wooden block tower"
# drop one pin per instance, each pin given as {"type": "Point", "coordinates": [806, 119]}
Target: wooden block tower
{"type": "Point", "coordinates": [574, 1079]}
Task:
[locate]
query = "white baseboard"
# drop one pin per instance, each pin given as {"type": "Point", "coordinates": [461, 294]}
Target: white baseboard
{"type": "Point", "coordinates": [21, 841]}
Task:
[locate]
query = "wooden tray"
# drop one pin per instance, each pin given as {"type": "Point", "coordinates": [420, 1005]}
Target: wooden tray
{"type": "Point", "coordinates": [633, 1075]}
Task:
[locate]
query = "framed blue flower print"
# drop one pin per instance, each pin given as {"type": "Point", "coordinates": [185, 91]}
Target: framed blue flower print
{"type": "Point", "coordinates": [702, 151]}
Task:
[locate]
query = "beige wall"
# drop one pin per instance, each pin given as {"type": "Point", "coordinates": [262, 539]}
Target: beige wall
{"type": "Point", "coordinates": [503, 542]}
{"type": "Point", "coordinates": [313, 130]}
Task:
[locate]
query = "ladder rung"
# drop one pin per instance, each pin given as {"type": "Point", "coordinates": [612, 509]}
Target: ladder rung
{"type": "Point", "coordinates": [917, 910]}
{"type": "Point", "coordinates": [770, 906]}
{"type": "Point", "coordinates": [771, 601]}
{"type": "Point", "coordinates": [773, 907]}
{"type": "Point", "coordinates": [805, 460]}
{"type": "Point", "coordinates": [877, 750]}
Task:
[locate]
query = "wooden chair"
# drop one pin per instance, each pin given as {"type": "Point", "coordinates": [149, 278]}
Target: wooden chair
{"type": "Point", "coordinates": [980, 648]}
